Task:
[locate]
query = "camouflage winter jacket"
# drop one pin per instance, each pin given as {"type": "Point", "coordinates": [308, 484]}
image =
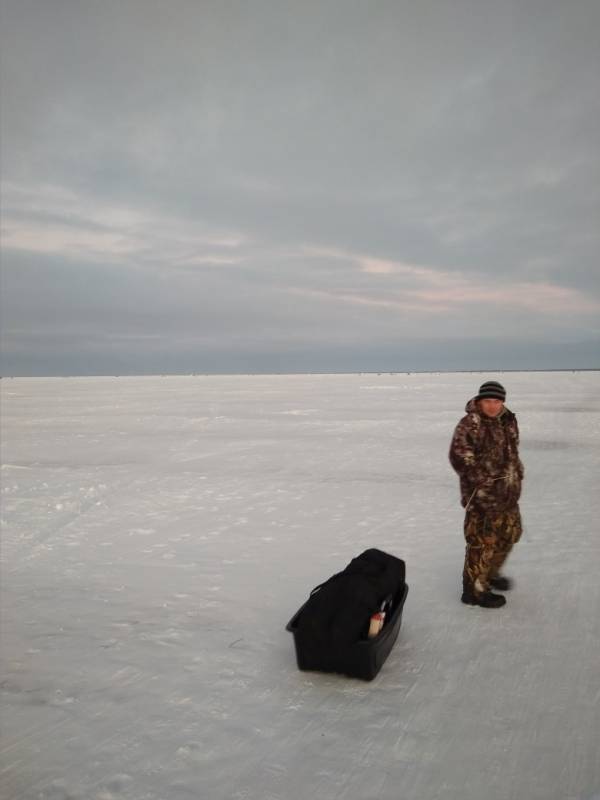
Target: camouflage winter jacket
{"type": "Point", "coordinates": [485, 454]}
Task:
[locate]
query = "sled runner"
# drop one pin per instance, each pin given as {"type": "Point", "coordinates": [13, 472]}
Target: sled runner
{"type": "Point", "coordinates": [331, 629]}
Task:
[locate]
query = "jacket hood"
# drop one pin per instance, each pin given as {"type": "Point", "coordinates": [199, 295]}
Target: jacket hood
{"type": "Point", "coordinates": [471, 408]}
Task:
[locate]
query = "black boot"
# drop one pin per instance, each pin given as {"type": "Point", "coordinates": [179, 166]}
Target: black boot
{"type": "Point", "coordinates": [485, 599]}
{"type": "Point", "coordinates": [502, 583]}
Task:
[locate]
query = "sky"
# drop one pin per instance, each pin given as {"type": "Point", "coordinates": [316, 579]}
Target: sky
{"type": "Point", "coordinates": [275, 186]}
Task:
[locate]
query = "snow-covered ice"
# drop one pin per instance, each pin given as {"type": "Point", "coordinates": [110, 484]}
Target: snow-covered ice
{"type": "Point", "coordinates": [158, 533]}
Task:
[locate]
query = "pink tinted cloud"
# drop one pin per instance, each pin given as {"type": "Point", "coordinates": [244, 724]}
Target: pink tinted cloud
{"type": "Point", "coordinates": [109, 232]}
{"type": "Point", "coordinates": [539, 297]}
{"type": "Point", "coordinates": [437, 291]}
{"type": "Point", "coordinates": [444, 291]}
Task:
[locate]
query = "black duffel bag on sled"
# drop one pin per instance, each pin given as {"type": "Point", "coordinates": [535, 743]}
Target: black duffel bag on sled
{"type": "Point", "coordinates": [331, 630]}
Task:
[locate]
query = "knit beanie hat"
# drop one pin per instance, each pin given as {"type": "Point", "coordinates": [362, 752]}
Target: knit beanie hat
{"type": "Point", "coordinates": [492, 389]}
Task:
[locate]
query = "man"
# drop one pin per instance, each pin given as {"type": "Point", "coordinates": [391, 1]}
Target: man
{"type": "Point", "coordinates": [485, 454]}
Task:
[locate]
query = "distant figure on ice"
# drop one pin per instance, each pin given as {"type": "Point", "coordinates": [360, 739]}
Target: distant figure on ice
{"type": "Point", "coordinates": [485, 454]}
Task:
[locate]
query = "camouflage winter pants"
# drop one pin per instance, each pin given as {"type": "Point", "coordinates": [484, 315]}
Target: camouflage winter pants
{"type": "Point", "coordinates": [490, 537]}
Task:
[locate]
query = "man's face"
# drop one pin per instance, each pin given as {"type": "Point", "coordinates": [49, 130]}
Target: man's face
{"type": "Point", "coordinates": [491, 407]}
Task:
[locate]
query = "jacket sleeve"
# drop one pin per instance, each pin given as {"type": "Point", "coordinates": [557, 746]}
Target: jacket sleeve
{"type": "Point", "coordinates": [520, 467]}
{"type": "Point", "coordinates": [463, 453]}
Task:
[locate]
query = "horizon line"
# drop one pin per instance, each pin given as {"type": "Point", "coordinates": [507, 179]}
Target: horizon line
{"type": "Point", "coordinates": [284, 374]}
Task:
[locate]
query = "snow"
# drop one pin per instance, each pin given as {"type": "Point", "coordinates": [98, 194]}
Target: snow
{"type": "Point", "coordinates": [159, 532]}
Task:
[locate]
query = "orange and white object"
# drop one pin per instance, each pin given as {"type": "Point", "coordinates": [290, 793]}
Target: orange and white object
{"type": "Point", "coordinates": [376, 623]}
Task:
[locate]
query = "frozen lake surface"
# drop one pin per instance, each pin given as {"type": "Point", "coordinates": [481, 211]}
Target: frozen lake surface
{"type": "Point", "coordinates": [159, 533]}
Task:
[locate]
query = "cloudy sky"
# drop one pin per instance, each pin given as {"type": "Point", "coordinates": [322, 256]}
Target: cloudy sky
{"type": "Point", "coordinates": [268, 185]}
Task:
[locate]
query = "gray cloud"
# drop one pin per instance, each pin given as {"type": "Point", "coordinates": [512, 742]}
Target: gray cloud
{"type": "Point", "coordinates": [228, 183]}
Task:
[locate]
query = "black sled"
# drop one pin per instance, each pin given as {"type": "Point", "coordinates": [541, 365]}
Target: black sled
{"type": "Point", "coordinates": [331, 629]}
